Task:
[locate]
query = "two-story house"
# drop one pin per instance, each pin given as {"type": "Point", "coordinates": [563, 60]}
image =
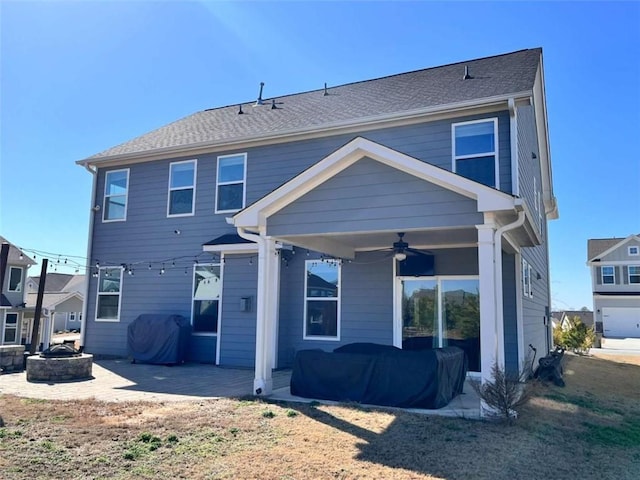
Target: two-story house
{"type": "Point", "coordinates": [13, 273]}
{"type": "Point", "coordinates": [615, 281]}
{"type": "Point", "coordinates": [413, 205]}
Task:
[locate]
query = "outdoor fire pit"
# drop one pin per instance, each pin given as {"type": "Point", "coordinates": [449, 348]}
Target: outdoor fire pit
{"type": "Point", "coordinates": [59, 363]}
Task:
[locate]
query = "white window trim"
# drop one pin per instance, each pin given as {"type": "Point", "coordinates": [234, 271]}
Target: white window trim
{"type": "Point", "coordinates": [631, 249]}
{"type": "Point", "coordinates": [192, 187]}
{"type": "Point", "coordinates": [455, 157]}
{"type": "Point", "coordinates": [193, 287]}
{"type": "Point", "coordinates": [16, 328]}
{"type": "Point", "coordinates": [527, 279]}
{"type": "Point", "coordinates": [98, 293]}
{"type": "Point", "coordinates": [244, 182]}
{"type": "Point", "coordinates": [602, 275]}
{"type": "Point", "coordinates": [19, 289]}
{"type": "Point", "coordinates": [629, 274]}
{"type": "Point", "coordinates": [126, 197]}
{"type": "Point", "coordinates": [337, 299]}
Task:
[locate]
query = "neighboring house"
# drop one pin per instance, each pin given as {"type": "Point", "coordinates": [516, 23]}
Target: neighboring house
{"type": "Point", "coordinates": [274, 225]}
{"type": "Point", "coordinates": [615, 280]}
{"type": "Point", "coordinates": [564, 319]}
{"type": "Point", "coordinates": [13, 294]}
{"type": "Point", "coordinates": [62, 301]}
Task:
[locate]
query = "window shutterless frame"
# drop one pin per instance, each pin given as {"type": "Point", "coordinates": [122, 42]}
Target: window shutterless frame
{"type": "Point", "coordinates": [231, 176]}
{"type": "Point", "coordinates": [318, 291]}
{"type": "Point", "coordinates": [207, 287]}
{"type": "Point", "coordinates": [15, 279]}
{"type": "Point", "coordinates": [10, 333]}
{"type": "Point", "coordinates": [475, 153]}
{"type": "Point", "coordinates": [633, 251]}
{"type": "Point", "coordinates": [182, 188]}
{"type": "Point", "coordinates": [116, 194]}
{"type": "Point", "coordinates": [109, 294]}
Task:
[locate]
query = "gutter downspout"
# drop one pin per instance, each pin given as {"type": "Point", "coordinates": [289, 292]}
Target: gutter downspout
{"type": "Point", "coordinates": [498, 298]}
{"type": "Point", "coordinates": [92, 214]}
{"type": "Point", "coordinates": [262, 383]}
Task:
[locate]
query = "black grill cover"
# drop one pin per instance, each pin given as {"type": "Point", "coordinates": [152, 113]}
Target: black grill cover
{"type": "Point", "coordinates": [159, 339]}
{"type": "Point", "coordinates": [401, 378]}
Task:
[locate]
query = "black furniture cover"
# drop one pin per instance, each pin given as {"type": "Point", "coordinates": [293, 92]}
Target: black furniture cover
{"type": "Point", "coordinates": [159, 339]}
{"type": "Point", "coordinates": [392, 377]}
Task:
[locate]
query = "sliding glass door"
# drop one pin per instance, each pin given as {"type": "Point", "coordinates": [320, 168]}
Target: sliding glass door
{"type": "Point", "coordinates": [441, 311]}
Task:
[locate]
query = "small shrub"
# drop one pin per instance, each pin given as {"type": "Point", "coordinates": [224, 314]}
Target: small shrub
{"type": "Point", "coordinates": [505, 392]}
{"type": "Point", "coordinates": [579, 338]}
{"type": "Point", "coordinates": [268, 414]}
{"type": "Point", "coordinates": [291, 413]}
{"type": "Point", "coordinates": [172, 439]}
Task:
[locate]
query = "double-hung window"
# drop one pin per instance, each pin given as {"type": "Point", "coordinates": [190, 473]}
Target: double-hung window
{"type": "Point", "coordinates": [322, 300]}
{"type": "Point", "coordinates": [10, 333]}
{"type": "Point", "coordinates": [182, 188]}
{"type": "Point", "coordinates": [109, 289]}
{"type": "Point", "coordinates": [475, 151]}
{"type": "Point", "coordinates": [527, 286]}
{"type": "Point", "coordinates": [15, 279]}
{"type": "Point", "coordinates": [608, 275]}
{"type": "Point", "coordinates": [634, 251]}
{"type": "Point", "coordinates": [207, 291]}
{"type": "Point", "coordinates": [230, 182]}
{"type": "Point", "coordinates": [634, 274]}
{"type": "Point", "coordinates": [116, 187]}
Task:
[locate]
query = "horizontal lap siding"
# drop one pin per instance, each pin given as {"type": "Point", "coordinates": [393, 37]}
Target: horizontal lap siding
{"type": "Point", "coordinates": [238, 329]}
{"type": "Point", "coordinates": [509, 304]}
{"type": "Point", "coordinates": [372, 196]}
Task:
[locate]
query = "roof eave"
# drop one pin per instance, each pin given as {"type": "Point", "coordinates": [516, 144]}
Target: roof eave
{"type": "Point", "coordinates": [377, 121]}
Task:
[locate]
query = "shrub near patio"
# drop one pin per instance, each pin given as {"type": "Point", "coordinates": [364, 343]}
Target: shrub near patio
{"type": "Point", "coordinates": [589, 430]}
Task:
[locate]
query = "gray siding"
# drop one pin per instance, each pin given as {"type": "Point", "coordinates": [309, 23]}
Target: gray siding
{"type": "Point", "coordinates": [238, 329]}
{"type": "Point", "coordinates": [510, 311]}
{"type": "Point", "coordinates": [621, 254]}
{"type": "Point", "coordinates": [147, 236]}
{"type": "Point", "coordinates": [528, 167]}
{"type": "Point", "coordinates": [372, 196]}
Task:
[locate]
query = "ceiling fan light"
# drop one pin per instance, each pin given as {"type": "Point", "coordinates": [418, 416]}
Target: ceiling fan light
{"type": "Point", "coordinates": [400, 256]}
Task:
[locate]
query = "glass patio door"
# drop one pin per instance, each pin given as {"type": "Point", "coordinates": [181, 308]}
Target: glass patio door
{"type": "Point", "coordinates": [439, 312]}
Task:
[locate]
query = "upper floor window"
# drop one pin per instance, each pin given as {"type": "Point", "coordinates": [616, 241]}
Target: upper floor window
{"type": "Point", "coordinates": [322, 300]}
{"type": "Point", "coordinates": [475, 153]}
{"type": "Point", "coordinates": [207, 290]}
{"type": "Point", "coordinates": [182, 188]}
{"type": "Point", "coordinates": [634, 274]}
{"type": "Point", "coordinates": [608, 275]}
{"type": "Point", "coordinates": [230, 182]}
{"type": "Point", "coordinates": [527, 284]}
{"type": "Point", "coordinates": [15, 279]}
{"type": "Point", "coordinates": [634, 250]}
{"type": "Point", "coordinates": [109, 289]}
{"type": "Point", "coordinates": [116, 186]}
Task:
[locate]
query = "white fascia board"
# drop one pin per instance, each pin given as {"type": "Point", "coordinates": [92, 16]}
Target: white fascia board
{"type": "Point", "coordinates": [615, 247]}
{"type": "Point", "coordinates": [542, 127]}
{"type": "Point", "coordinates": [485, 105]}
{"type": "Point", "coordinates": [255, 215]}
{"type": "Point", "coordinates": [231, 248]}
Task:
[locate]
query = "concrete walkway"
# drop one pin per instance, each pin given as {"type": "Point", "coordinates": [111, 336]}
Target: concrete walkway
{"type": "Point", "coordinates": [122, 381]}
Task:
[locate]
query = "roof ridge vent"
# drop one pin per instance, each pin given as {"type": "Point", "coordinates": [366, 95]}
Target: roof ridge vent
{"type": "Point", "coordinates": [259, 101]}
{"type": "Point", "coordinates": [466, 73]}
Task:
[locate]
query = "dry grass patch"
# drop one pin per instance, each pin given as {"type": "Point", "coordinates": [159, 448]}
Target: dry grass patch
{"type": "Point", "coordinates": [588, 430]}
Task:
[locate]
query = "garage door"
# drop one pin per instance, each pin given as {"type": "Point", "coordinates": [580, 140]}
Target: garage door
{"type": "Point", "coordinates": [621, 322]}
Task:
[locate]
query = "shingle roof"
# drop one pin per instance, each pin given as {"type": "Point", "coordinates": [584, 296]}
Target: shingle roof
{"type": "Point", "coordinates": [596, 246]}
{"type": "Point", "coordinates": [499, 75]}
{"type": "Point", "coordinates": [60, 283]}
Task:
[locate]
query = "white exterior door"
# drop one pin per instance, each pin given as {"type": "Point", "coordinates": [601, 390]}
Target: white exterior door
{"type": "Point", "coordinates": [621, 322]}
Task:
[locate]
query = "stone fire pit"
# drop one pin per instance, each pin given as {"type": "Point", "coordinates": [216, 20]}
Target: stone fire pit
{"type": "Point", "coordinates": [59, 363]}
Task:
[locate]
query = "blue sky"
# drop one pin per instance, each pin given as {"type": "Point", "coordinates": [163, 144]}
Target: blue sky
{"type": "Point", "coordinates": [80, 77]}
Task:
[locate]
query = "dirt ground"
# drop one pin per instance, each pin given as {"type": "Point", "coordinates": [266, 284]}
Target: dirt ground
{"type": "Point", "coordinates": [589, 430]}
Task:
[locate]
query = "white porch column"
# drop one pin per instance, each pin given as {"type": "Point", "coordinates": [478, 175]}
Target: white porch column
{"type": "Point", "coordinates": [488, 314]}
{"type": "Point", "coordinates": [266, 310]}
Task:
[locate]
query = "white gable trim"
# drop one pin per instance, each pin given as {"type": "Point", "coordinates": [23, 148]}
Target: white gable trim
{"type": "Point", "coordinates": [615, 247]}
{"type": "Point", "coordinates": [254, 216]}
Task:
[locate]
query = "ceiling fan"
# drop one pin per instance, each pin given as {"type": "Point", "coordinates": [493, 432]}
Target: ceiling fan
{"type": "Point", "coordinates": [401, 249]}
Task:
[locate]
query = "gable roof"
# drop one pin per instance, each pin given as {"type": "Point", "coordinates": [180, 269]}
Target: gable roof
{"type": "Point", "coordinates": [15, 253]}
{"type": "Point", "coordinates": [254, 216]}
{"type": "Point", "coordinates": [599, 247]}
{"type": "Point", "coordinates": [432, 89]}
{"type": "Point", "coordinates": [59, 283]}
